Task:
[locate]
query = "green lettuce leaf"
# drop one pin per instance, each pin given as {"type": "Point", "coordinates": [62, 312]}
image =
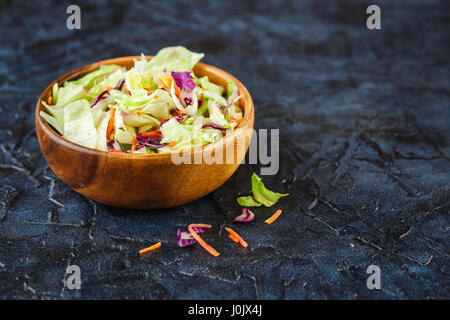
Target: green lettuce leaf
{"type": "Point", "coordinates": [88, 79]}
{"type": "Point", "coordinates": [173, 59]}
{"type": "Point", "coordinates": [230, 88]}
{"type": "Point", "coordinates": [123, 133]}
{"type": "Point", "coordinates": [70, 93]}
{"type": "Point", "coordinates": [53, 122]}
{"type": "Point", "coordinates": [261, 195]}
{"type": "Point", "coordinates": [55, 93]}
{"type": "Point", "coordinates": [101, 132]}
{"type": "Point", "coordinates": [79, 124]}
{"type": "Point", "coordinates": [248, 201]}
{"type": "Point", "coordinates": [211, 87]}
{"type": "Point", "coordinates": [216, 115]}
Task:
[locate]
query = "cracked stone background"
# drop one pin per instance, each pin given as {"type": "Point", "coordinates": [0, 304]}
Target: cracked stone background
{"type": "Point", "coordinates": [364, 118]}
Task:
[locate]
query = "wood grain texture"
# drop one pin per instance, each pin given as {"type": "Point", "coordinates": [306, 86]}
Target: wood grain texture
{"type": "Point", "coordinates": [142, 181]}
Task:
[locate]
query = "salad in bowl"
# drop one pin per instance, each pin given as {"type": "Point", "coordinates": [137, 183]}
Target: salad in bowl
{"type": "Point", "coordinates": [159, 105]}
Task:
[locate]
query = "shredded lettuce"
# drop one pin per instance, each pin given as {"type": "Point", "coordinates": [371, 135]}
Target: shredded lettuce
{"type": "Point", "coordinates": [87, 80]}
{"type": "Point", "coordinates": [79, 124]}
{"type": "Point", "coordinates": [161, 97]}
{"type": "Point", "coordinates": [209, 86]}
{"type": "Point", "coordinates": [55, 93]}
{"type": "Point", "coordinates": [70, 92]}
{"type": "Point", "coordinates": [173, 59]}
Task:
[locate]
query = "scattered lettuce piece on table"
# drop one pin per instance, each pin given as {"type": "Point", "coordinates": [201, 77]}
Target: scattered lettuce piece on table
{"type": "Point", "coordinates": [248, 201]}
{"type": "Point", "coordinates": [261, 195]}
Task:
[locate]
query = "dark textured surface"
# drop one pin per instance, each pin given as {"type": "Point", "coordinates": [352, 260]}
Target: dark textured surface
{"type": "Point", "coordinates": [364, 118]}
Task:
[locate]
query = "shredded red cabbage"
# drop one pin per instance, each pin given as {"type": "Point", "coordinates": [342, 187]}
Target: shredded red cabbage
{"type": "Point", "coordinates": [185, 238]}
{"type": "Point", "coordinates": [114, 145]}
{"type": "Point", "coordinates": [99, 98]}
{"type": "Point", "coordinates": [153, 142]}
{"type": "Point", "coordinates": [183, 80]}
{"type": "Point", "coordinates": [120, 85]}
{"type": "Point", "coordinates": [246, 216]}
{"type": "Point", "coordinates": [179, 119]}
{"type": "Point", "coordinates": [213, 125]}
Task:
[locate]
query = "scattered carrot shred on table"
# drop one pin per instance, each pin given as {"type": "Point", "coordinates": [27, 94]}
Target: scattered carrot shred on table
{"type": "Point", "coordinates": [207, 247]}
{"type": "Point", "coordinates": [50, 100]}
{"type": "Point", "coordinates": [234, 236]}
{"type": "Point", "coordinates": [274, 217]}
{"type": "Point", "coordinates": [151, 248]}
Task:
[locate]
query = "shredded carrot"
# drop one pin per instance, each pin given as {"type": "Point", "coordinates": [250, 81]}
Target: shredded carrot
{"type": "Point", "coordinates": [177, 90]}
{"type": "Point", "coordinates": [139, 114]}
{"type": "Point", "coordinates": [233, 235]}
{"type": "Point", "coordinates": [114, 150]}
{"type": "Point", "coordinates": [207, 247]}
{"type": "Point", "coordinates": [153, 133]}
{"type": "Point", "coordinates": [274, 217]}
{"type": "Point", "coordinates": [153, 247]}
{"type": "Point", "coordinates": [50, 100]}
{"type": "Point", "coordinates": [167, 83]}
{"type": "Point", "coordinates": [133, 146]}
{"type": "Point", "coordinates": [108, 87]}
{"type": "Point", "coordinates": [111, 122]}
{"type": "Point", "coordinates": [172, 144]}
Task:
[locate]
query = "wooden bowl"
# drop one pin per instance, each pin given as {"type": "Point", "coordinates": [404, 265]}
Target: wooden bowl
{"type": "Point", "coordinates": [142, 181]}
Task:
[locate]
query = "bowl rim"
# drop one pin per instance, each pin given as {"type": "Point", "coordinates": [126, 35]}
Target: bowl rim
{"type": "Point", "coordinates": [246, 100]}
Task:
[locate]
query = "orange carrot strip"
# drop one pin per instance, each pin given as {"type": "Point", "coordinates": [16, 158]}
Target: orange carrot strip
{"type": "Point", "coordinates": [234, 238]}
{"type": "Point", "coordinates": [207, 247]}
{"type": "Point", "coordinates": [50, 100]}
{"type": "Point", "coordinates": [133, 146]}
{"type": "Point", "coordinates": [274, 217]}
{"type": "Point", "coordinates": [238, 237]}
{"type": "Point", "coordinates": [177, 90]}
{"type": "Point", "coordinates": [108, 87]}
{"type": "Point", "coordinates": [172, 144]}
{"type": "Point", "coordinates": [153, 247]}
{"type": "Point", "coordinates": [153, 133]}
{"type": "Point", "coordinates": [111, 122]}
